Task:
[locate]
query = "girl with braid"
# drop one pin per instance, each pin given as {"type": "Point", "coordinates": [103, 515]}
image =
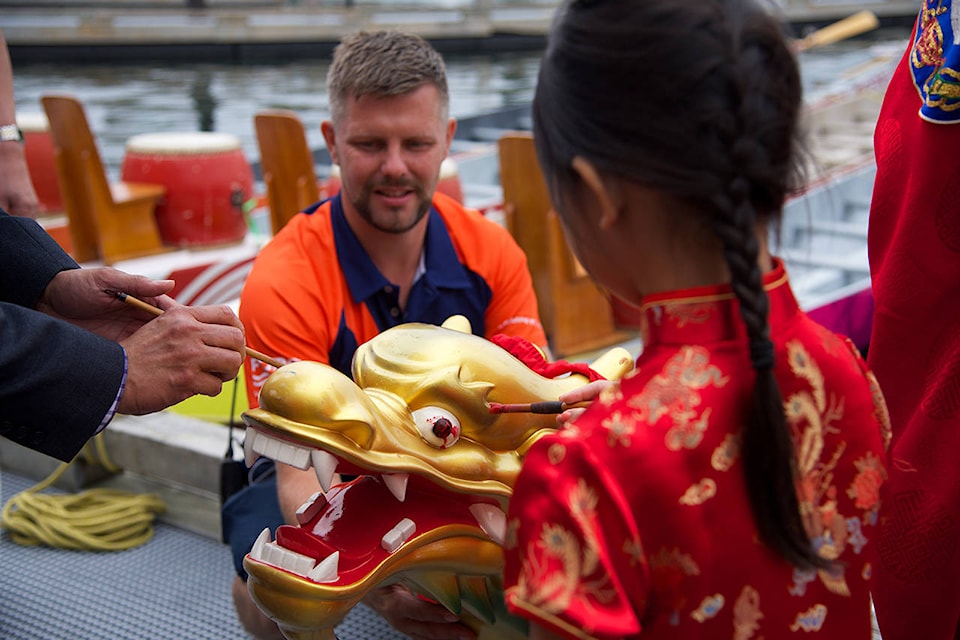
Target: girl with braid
{"type": "Point", "coordinates": [729, 487]}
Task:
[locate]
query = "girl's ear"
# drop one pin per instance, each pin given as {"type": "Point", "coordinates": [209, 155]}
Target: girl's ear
{"type": "Point", "coordinates": [606, 193]}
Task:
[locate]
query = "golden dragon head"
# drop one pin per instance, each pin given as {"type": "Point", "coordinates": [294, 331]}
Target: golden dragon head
{"type": "Point", "coordinates": [434, 469]}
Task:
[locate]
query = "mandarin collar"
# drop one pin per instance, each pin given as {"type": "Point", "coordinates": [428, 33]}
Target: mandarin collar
{"type": "Point", "coordinates": [712, 313]}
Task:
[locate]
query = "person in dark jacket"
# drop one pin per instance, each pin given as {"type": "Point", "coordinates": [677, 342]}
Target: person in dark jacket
{"type": "Point", "coordinates": [72, 356]}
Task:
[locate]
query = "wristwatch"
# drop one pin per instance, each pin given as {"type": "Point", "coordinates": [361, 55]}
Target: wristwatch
{"type": "Point", "coordinates": [10, 133]}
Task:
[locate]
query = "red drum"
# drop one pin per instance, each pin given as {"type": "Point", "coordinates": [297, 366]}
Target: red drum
{"type": "Point", "coordinates": [41, 161]}
{"type": "Point", "coordinates": [449, 183]}
{"type": "Point", "coordinates": [208, 180]}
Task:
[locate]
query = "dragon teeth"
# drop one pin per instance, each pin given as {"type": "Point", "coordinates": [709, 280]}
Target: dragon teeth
{"type": "Point", "coordinates": [249, 455]}
{"type": "Point", "coordinates": [261, 542]}
{"type": "Point", "coordinates": [324, 465]}
{"type": "Point", "coordinates": [279, 450]}
{"type": "Point", "coordinates": [311, 508]}
{"type": "Point", "coordinates": [397, 483]}
{"type": "Point", "coordinates": [327, 570]}
{"type": "Point", "coordinates": [400, 533]}
{"type": "Point", "coordinates": [492, 520]}
{"type": "Point", "coordinates": [268, 552]}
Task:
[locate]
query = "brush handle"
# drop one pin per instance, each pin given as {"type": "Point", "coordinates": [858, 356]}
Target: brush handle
{"type": "Point", "coordinates": [149, 308]}
{"type": "Point", "coordinates": [554, 406]}
{"type": "Point", "coordinates": [848, 27]}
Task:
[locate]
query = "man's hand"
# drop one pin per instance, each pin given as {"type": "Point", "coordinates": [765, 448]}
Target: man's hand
{"type": "Point", "coordinates": [170, 358]}
{"type": "Point", "coordinates": [77, 296]}
{"type": "Point", "coordinates": [415, 617]}
{"type": "Point", "coordinates": [186, 351]}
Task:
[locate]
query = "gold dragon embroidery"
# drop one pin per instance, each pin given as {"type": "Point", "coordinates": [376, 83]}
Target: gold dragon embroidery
{"type": "Point", "coordinates": [675, 392]}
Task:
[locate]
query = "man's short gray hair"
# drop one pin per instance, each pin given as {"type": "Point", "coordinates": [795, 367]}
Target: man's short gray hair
{"type": "Point", "coordinates": [383, 63]}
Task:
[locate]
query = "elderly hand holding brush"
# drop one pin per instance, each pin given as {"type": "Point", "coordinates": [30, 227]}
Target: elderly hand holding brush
{"type": "Point", "coordinates": [172, 353]}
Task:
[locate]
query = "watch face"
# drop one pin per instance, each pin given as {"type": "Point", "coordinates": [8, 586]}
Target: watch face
{"type": "Point", "coordinates": [10, 133]}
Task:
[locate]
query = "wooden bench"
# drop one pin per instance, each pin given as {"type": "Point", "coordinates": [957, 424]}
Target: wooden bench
{"type": "Point", "coordinates": [287, 165]}
{"type": "Point", "coordinates": [109, 221]}
{"type": "Point", "coordinates": [576, 314]}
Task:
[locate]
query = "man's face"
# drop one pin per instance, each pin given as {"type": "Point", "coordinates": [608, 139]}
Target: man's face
{"type": "Point", "coordinates": [389, 150]}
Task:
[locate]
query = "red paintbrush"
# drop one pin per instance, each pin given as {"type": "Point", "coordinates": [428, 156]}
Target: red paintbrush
{"type": "Point", "coordinates": [548, 406]}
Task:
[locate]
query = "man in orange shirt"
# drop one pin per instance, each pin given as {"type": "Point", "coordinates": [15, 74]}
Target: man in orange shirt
{"type": "Point", "coordinates": [385, 251]}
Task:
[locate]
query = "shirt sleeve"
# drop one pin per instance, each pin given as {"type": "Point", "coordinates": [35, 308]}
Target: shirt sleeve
{"type": "Point", "coordinates": [514, 311]}
{"type": "Point", "coordinates": [571, 540]}
{"type": "Point", "coordinates": [282, 314]}
{"type": "Point", "coordinates": [112, 411]}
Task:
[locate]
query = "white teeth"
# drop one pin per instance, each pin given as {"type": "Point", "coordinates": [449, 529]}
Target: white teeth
{"type": "Point", "coordinates": [327, 570]}
{"type": "Point", "coordinates": [249, 455]}
{"type": "Point", "coordinates": [281, 451]}
{"type": "Point", "coordinates": [290, 560]}
{"type": "Point", "coordinates": [492, 520]}
{"type": "Point", "coordinates": [324, 465]}
{"type": "Point", "coordinates": [268, 552]}
{"type": "Point", "coordinates": [400, 533]}
{"type": "Point", "coordinates": [262, 540]}
{"type": "Point", "coordinates": [310, 508]}
{"type": "Point", "coordinates": [397, 483]}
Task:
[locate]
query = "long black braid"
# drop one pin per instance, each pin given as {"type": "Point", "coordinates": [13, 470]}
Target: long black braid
{"type": "Point", "coordinates": [767, 448]}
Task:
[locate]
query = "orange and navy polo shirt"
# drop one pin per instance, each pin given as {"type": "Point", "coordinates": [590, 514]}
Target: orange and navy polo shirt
{"type": "Point", "coordinates": [315, 294]}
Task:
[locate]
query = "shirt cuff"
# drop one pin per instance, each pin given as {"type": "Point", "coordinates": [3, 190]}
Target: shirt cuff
{"type": "Point", "coordinates": [112, 411]}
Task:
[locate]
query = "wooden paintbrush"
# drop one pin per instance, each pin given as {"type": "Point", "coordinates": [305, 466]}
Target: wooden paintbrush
{"type": "Point", "coordinates": [149, 308]}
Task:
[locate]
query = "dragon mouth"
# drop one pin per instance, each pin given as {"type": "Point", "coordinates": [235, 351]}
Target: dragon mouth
{"type": "Point", "coordinates": [353, 532]}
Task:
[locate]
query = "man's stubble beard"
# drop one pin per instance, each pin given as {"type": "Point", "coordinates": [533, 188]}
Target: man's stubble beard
{"type": "Point", "coordinates": [362, 206]}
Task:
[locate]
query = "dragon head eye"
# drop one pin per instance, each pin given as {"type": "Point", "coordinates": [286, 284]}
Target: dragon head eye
{"type": "Point", "coordinates": [438, 427]}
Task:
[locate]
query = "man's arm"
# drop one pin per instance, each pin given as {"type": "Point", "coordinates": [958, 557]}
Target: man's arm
{"type": "Point", "coordinates": [57, 381]}
{"type": "Point", "coordinates": [29, 260]}
{"type": "Point", "coordinates": [16, 189]}
{"type": "Point", "coordinates": [514, 309]}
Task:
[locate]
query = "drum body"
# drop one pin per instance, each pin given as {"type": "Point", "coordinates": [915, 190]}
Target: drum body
{"type": "Point", "coordinates": [208, 180]}
{"type": "Point", "coordinates": [41, 161]}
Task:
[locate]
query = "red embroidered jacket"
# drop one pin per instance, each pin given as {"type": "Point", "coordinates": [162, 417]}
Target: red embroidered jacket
{"type": "Point", "coordinates": [636, 519]}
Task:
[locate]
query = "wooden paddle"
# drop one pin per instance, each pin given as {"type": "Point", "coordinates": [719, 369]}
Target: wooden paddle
{"type": "Point", "coordinates": [858, 23]}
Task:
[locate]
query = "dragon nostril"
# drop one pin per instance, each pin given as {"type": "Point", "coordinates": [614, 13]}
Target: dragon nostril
{"type": "Point", "coordinates": [442, 428]}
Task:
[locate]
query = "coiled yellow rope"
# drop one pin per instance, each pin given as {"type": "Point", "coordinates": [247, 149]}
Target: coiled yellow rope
{"type": "Point", "coordinates": [94, 519]}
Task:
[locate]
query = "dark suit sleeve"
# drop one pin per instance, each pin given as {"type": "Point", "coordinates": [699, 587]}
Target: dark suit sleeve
{"type": "Point", "coordinates": [29, 259]}
{"type": "Point", "coordinates": [57, 381]}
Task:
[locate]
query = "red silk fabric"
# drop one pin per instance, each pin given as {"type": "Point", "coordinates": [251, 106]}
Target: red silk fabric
{"type": "Point", "coordinates": [635, 520]}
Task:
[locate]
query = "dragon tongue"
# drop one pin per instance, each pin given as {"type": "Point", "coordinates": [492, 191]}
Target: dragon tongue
{"type": "Point", "coordinates": [360, 520]}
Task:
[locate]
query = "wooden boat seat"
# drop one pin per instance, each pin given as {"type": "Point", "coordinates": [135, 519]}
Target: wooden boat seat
{"type": "Point", "coordinates": [287, 164]}
{"type": "Point", "coordinates": [109, 221]}
{"type": "Point", "coordinates": [575, 313]}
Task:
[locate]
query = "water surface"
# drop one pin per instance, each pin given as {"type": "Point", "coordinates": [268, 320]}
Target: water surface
{"type": "Point", "coordinates": [123, 100]}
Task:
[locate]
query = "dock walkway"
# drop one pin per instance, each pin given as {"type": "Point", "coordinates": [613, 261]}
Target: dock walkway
{"type": "Point", "coordinates": [246, 31]}
{"type": "Point", "coordinates": [249, 30]}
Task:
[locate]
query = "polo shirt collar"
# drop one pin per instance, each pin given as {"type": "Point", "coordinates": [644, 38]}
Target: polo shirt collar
{"type": "Point", "coordinates": [443, 266]}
